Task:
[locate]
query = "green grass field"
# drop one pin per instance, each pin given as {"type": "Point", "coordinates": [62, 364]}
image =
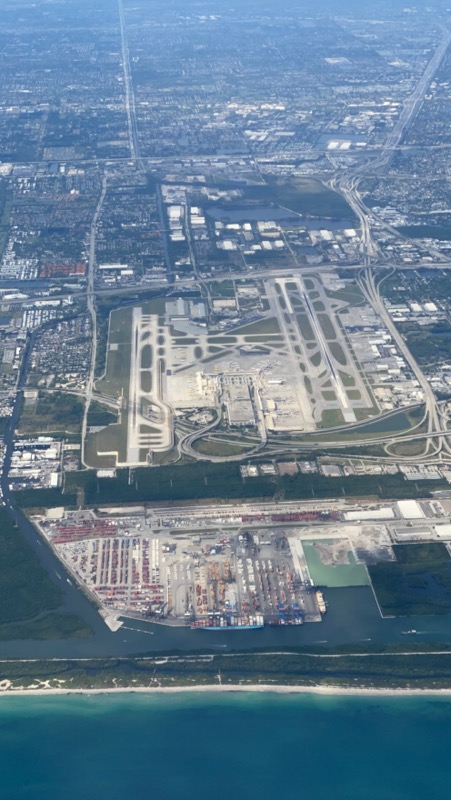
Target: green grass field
{"type": "Point", "coordinates": [100, 414]}
{"type": "Point", "coordinates": [54, 413]}
{"type": "Point", "coordinates": [338, 353]}
{"type": "Point", "coordinates": [346, 379]}
{"type": "Point", "coordinates": [351, 294]}
{"type": "Point", "coordinates": [268, 325]}
{"type": "Point", "coordinates": [117, 368]}
{"type": "Point", "coordinates": [331, 418]}
{"type": "Point", "coordinates": [305, 327]}
{"type": "Point", "coordinates": [114, 383]}
{"type": "Point", "coordinates": [217, 447]}
{"type": "Point", "coordinates": [327, 326]}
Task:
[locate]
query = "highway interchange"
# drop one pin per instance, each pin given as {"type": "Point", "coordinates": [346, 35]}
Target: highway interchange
{"type": "Point", "coordinates": [434, 431]}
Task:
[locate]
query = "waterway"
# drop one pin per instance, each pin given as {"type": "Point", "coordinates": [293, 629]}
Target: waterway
{"type": "Point", "coordinates": [243, 746]}
{"type": "Point", "coordinates": [353, 615]}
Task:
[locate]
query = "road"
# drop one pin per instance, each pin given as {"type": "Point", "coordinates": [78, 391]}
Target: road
{"type": "Point", "coordinates": [370, 287]}
{"type": "Point", "coordinates": [412, 105]}
{"type": "Point", "coordinates": [135, 638]}
{"type": "Point", "coordinates": [347, 182]}
{"type": "Point", "coordinates": [128, 87]}
{"type": "Point", "coordinates": [190, 283]}
{"type": "Point", "coordinates": [91, 307]}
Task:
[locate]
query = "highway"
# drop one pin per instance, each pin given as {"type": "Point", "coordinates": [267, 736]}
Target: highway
{"type": "Point", "coordinates": [128, 87]}
{"type": "Point", "coordinates": [160, 285]}
{"type": "Point", "coordinates": [412, 105]}
{"type": "Point", "coordinates": [435, 433]}
{"type": "Point", "coordinates": [347, 182]}
{"type": "Point", "coordinates": [91, 306]}
{"type": "Point", "coordinates": [90, 282]}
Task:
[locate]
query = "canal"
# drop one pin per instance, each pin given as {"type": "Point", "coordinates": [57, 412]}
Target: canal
{"type": "Point", "coordinates": [352, 617]}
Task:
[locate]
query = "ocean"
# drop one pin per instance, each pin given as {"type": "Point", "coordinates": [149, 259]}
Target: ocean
{"type": "Point", "coordinates": [224, 747]}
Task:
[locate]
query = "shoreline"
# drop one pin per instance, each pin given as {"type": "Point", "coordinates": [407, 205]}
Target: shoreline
{"type": "Point", "coordinates": [223, 689]}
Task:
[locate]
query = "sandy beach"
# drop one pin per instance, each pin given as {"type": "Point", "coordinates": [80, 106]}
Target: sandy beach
{"type": "Point", "coordinates": [221, 689]}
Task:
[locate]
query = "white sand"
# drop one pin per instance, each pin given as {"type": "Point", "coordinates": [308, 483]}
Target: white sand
{"type": "Point", "coordinates": [9, 691]}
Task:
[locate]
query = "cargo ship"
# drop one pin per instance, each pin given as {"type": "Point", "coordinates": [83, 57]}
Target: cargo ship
{"type": "Point", "coordinates": [229, 623]}
{"type": "Point", "coordinates": [321, 602]}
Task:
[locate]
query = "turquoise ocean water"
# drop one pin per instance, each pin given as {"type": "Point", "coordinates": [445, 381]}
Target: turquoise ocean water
{"type": "Point", "coordinates": [228, 747]}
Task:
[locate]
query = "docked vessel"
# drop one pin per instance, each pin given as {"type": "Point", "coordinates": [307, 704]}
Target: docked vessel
{"type": "Point", "coordinates": [321, 602]}
{"type": "Point", "coordinates": [229, 623]}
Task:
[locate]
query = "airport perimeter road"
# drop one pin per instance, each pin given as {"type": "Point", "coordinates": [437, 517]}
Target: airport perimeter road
{"type": "Point", "coordinates": [370, 288]}
{"type": "Point", "coordinates": [91, 306]}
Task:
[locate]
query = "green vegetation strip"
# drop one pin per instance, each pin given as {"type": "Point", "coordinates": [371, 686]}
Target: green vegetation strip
{"type": "Point", "coordinates": [25, 588]}
{"type": "Point", "coordinates": [383, 669]}
{"type": "Point", "coordinates": [28, 598]}
{"type": "Point", "coordinates": [204, 480]}
{"type": "Point", "coordinates": [54, 412]}
{"type": "Point", "coordinates": [419, 582]}
{"type": "Point", "coordinates": [51, 626]}
{"type": "Point", "coordinates": [428, 344]}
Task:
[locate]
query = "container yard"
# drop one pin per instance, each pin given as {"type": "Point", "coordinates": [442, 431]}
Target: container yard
{"type": "Point", "coordinates": [235, 567]}
{"type": "Point", "coordinates": [209, 580]}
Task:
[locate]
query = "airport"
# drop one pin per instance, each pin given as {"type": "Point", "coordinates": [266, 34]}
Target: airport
{"type": "Point", "coordinates": [225, 377]}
